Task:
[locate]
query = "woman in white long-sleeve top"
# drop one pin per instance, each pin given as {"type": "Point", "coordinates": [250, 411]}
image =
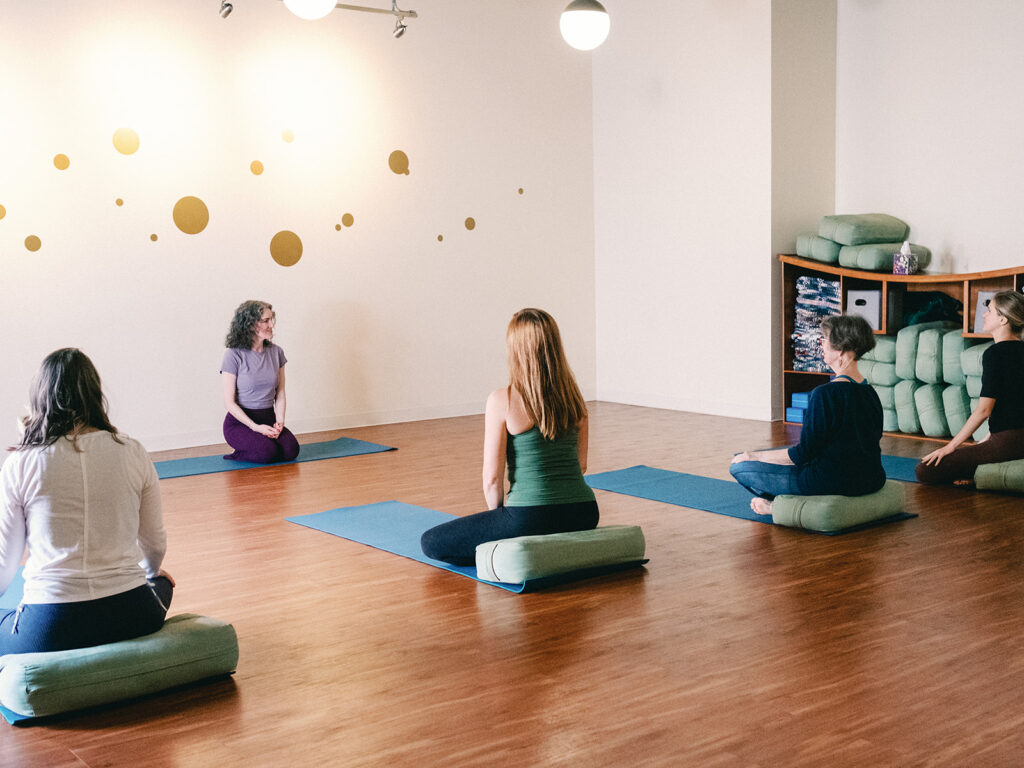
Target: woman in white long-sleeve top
{"type": "Point", "coordinates": [84, 501]}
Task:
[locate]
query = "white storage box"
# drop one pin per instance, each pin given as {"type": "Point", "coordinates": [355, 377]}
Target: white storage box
{"type": "Point", "coordinates": [867, 304]}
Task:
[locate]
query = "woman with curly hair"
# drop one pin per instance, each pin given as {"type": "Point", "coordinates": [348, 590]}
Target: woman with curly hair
{"type": "Point", "coordinates": [537, 425]}
{"type": "Point", "coordinates": [84, 500]}
{"type": "Point", "coordinates": [252, 380]}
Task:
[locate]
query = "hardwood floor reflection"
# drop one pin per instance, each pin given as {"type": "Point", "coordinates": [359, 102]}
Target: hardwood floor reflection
{"type": "Point", "coordinates": [740, 644]}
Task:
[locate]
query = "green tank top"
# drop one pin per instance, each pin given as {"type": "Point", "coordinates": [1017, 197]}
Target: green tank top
{"type": "Point", "coordinates": [542, 471]}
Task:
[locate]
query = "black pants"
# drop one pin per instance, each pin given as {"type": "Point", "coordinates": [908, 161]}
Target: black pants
{"type": "Point", "coordinates": [37, 627]}
{"type": "Point", "coordinates": [1007, 445]}
{"type": "Point", "coordinates": [455, 542]}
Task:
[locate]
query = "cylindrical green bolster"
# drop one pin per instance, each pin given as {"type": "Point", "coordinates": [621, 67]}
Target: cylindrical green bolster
{"type": "Point", "coordinates": [834, 513]}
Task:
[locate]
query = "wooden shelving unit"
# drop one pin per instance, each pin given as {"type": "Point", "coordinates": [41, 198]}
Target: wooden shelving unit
{"type": "Point", "coordinates": [962, 287]}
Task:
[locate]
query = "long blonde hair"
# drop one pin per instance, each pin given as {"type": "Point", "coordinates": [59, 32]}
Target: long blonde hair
{"type": "Point", "coordinates": [540, 374]}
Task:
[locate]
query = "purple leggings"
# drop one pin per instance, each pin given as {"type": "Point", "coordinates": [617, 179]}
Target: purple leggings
{"type": "Point", "coordinates": [1007, 445]}
{"type": "Point", "coordinates": [256, 448]}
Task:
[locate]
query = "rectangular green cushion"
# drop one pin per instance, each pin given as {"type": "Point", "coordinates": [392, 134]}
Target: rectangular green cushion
{"type": "Point", "coordinates": [890, 421]}
{"type": "Point", "coordinates": [981, 432]}
{"type": "Point", "coordinates": [953, 346]}
{"type": "Point", "coordinates": [187, 648]}
{"type": "Point", "coordinates": [906, 408]}
{"type": "Point", "coordinates": [878, 256]}
{"type": "Point", "coordinates": [886, 396]}
{"type": "Point", "coordinates": [878, 374]}
{"type": "Point", "coordinates": [906, 346]}
{"type": "Point", "coordinates": [884, 351]}
{"type": "Point", "coordinates": [1004, 476]}
{"type": "Point", "coordinates": [862, 228]}
{"type": "Point", "coordinates": [531, 557]}
{"type": "Point", "coordinates": [970, 359]}
{"type": "Point", "coordinates": [928, 364]}
{"type": "Point", "coordinates": [810, 246]}
{"type": "Point", "coordinates": [834, 513]}
{"type": "Point", "coordinates": [930, 411]}
{"type": "Point", "coordinates": [957, 406]}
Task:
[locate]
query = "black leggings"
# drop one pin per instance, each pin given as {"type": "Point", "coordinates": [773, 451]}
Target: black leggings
{"type": "Point", "coordinates": [36, 627]}
{"type": "Point", "coordinates": [455, 542]}
{"type": "Point", "coordinates": [1007, 445]}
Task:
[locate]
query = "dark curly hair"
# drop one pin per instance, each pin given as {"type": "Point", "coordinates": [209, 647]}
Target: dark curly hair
{"type": "Point", "coordinates": [243, 325]}
{"type": "Point", "coordinates": [849, 333]}
{"type": "Point", "coordinates": [64, 398]}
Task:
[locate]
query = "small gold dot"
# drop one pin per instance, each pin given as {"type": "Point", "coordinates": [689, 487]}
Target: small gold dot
{"type": "Point", "coordinates": [288, 135]}
{"type": "Point", "coordinates": [126, 141]}
{"type": "Point", "coordinates": [153, 238]}
{"type": "Point", "coordinates": [337, 227]}
{"type": "Point", "coordinates": [470, 223]}
{"type": "Point", "coordinates": [520, 190]}
{"type": "Point", "coordinates": [440, 238]}
{"type": "Point", "coordinates": [33, 243]}
{"type": "Point", "coordinates": [119, 202]}
{"type": "Point", "coordinates": [256, 167]}
{"type": "Point", "coordinates": [398, 162]}
{"type": "Point", "coordinates": [61, 162]}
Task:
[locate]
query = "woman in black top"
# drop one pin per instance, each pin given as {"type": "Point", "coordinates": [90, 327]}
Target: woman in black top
{"type": "Point", "coordinates": [1001, 401]}
{"type": "Point", "coordinates": [838, 452]}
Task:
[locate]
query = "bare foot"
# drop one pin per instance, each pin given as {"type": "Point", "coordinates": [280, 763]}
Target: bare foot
{"type": "Point", "coordinates": [761, 506]}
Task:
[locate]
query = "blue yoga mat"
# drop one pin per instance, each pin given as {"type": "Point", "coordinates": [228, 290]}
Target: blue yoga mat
{"type": "Point", "coordinates": [205, 465]}
{"type": "Point", "coordinates": [708, 494]}
{"type": "Point", "coordinates": [396, 527]}
{"type": "Point", "coordinates": [899, 468]}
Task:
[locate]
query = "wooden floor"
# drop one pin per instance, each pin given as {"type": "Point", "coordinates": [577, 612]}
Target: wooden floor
{"type": "Point", "coordinates": [740, 644]}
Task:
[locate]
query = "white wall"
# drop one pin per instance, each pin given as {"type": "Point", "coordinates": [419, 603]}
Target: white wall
{"type": "Point", "coordinates": [380, 321]}
{"type": "Point", "coordinates": [683, 166]}
{"type": "Point", "coordinates": [930, 106]}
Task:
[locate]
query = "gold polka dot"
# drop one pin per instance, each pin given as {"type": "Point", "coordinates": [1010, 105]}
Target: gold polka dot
{"type": "Point", "coordinates": [337, 227]}
{"type": "Point", "coordinates": [3, 211]}
{"type": "Point", "coordinates": [288, 135]}
{"type": "Point", "coordinates": [61, 162]}
{"type": "Point", "coordinates": [286, 248]}
{"type": "Point", "coordinates": [398, 161]}
{"type": "Point", "coordinates": [126, 141]}
{"type": "Point", "coordinates": [440, 238]}
{"type": "Point", "coordinates": [33, 243]}
{"type": "Point", "coordinates": [191, 215]}
{"type": "Point", "coordinates": [119, 202]}
{"type": "Point", "coordinates": [470, 223]}
{"type": "Point", "coordinates": [153, 238]}
{"type": "Point", "coordinates": [520, 190]}
{"type": "Point", "coordinates": [348, 220]}
{"type": "Point", "coordinates": [256, 167]}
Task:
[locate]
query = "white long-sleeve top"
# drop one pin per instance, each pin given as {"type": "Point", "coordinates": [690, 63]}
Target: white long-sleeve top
{"type": "Point", "coordinates": [91, 519]}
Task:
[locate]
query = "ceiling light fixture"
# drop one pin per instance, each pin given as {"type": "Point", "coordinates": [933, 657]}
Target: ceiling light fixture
{"type": "Point", "coordinates": [584, 24]}
{"type": "Point", "coordinates": [317, 9]}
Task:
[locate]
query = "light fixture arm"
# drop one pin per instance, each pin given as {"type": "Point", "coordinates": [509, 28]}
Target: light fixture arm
{"type": "Point", "coordinates": [395, 10]}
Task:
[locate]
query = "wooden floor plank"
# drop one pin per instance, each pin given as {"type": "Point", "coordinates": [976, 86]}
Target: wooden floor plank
{"type": "Point", "coordinates": [740, 644]}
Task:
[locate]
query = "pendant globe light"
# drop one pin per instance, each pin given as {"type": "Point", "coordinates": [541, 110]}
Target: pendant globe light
{"type": "Point", "coordinates": [310, 9]}
{"type": "Point", "coordinates": [584, 24]}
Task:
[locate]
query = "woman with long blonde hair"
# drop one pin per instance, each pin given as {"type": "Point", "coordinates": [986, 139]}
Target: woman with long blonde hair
{"type": "Point", "coordinates": [537, 427]}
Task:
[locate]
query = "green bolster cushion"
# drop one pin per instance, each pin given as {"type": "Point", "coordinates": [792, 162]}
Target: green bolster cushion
{"type": "Point", "coordinates": [906, 409]}
{"type": "Point", "coordinates": [878, 374]}
{"type": "Point", "coordinates": [810, 246]}
{"type": "Point", "coordinates": [928, 366]}
{"type": "Point", "coordinates": [906, 346]}
{"type": "Point", "coordinates": [862, 228]}
{"type": "Point", "coordinates": [970, 359]}
{"type": "Point", "coordinates": [186, 649]}
{"type": "Point", "coordinates": [884, 351]}
{"type": "Point", "coordinates": [957, 406]}
{"type": "Point", "coordinates": [930, 412]}
{"type": "Point", "coordinates": [953, 347]}
{"type": "Point", "coordinates": [973, 386]}
{"type": "Point", "coordinates": [886, 396]}
{"type": "Point", "coordinates": [514, 561]}
{"type": "Point", "coordinates": [1004, 476]}
{"type": "Point", "coordinates": [834, 513]}
{"type": "Point", "coordinates": [981, 432]}
{"type": "Point", "coordinates": [890, 421]}
{"type": "Point", "coordinates": [878, 256]}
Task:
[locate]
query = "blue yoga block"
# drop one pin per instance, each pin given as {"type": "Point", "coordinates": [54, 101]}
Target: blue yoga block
{"type": "Point", "coordinates": [800, 399]}
{"type": "Point", "coordinates": [795, 415]}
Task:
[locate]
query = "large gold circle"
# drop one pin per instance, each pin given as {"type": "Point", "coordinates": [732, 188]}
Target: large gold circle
{"type": "Point", "coordinates": [61, 162]}
{"type": "Point", "coordinates": [33, 243]}
{"type": "Point", "coordinates": [126, 141]}
{"type": "Point", "coordinates": [286, 248]}
{"type": "Point", "coordinates": [191, 215]}
{"type": "Point", "coordinates": [398, 162]}
{"type": "Point", "coordinates": [348, 220]}
{"type": "Point", "coordinates": [470, 223]}
{"type": "Point", "coordinates": [3, 211]}
{"type": "Point", "coordinates": [256, 167]}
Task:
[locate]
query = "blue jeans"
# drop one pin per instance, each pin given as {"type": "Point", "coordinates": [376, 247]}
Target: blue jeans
{"type": "Point", "coordinates": [37, 627]}
{"type": "Point", "coordinates": [766, 480]}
